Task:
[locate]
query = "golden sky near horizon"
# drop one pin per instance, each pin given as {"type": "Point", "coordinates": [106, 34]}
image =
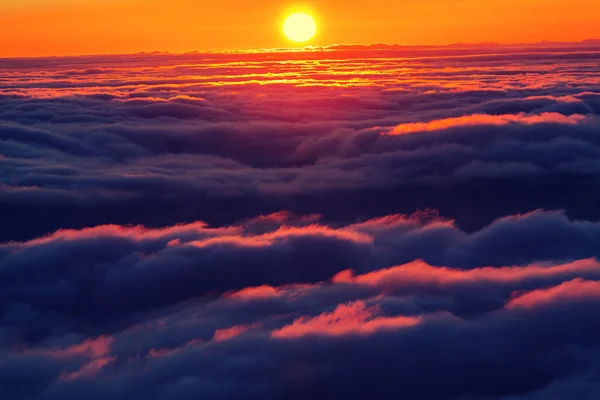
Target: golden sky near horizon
{"type": "Point", "coordinates": [66, 27]}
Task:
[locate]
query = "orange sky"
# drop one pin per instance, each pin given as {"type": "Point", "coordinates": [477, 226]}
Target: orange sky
{"type": "Point", "coordinates": [64, 27]}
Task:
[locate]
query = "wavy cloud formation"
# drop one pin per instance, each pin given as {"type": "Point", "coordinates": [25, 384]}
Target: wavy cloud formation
{"type": "Point", "coordinates": [485, 119]}
{"type": "Point", "coordinates": [344, 223]}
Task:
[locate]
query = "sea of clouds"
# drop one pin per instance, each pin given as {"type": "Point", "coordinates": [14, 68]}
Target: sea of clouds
{"type": "Point", "coordinates": [352, 222]}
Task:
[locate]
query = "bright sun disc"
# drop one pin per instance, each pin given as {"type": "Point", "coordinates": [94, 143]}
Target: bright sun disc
{"type": "Point", "coordinates": [299, 27]}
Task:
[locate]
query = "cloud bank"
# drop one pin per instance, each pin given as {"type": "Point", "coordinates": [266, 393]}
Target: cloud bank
{"type": "Point", "coordinates": [351, 222]}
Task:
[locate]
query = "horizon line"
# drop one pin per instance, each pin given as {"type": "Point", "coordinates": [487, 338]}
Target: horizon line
{"type": "Point", "coordinates": [339, 46]}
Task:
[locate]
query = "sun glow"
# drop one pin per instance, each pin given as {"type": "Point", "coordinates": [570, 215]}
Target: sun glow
{"type": "Point", "coordinates": [299, 27]}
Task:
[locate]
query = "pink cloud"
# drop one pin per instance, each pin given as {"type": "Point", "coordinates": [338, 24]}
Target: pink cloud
{"type": "Point", "coordinates": [89, 370]}
{"type": "Point", "coordinates": [238, 241]}
{"type": "Point", "coordinates": [92, 348]}
{"type": "Point", "coordinates": [256, 293]}
{"type": "Point", "coordinates": [229, 333]}
{"type": "Point", "coordinates": [174, 243]}
{"type": "Point", "coordinates": [577, 289]}
{"type": "Point", "coordinates": [419, 272]}
{"type": "Point", "coordinates": [347, 319]}
{"type": "Point", "coordinates": [137, 233]}
{"type": "Point", "coordinates": [283, 217]}
{"type": "Point", "coordinates": [96, 351]}
{"type": "Point", "coordinates": [319, 230]}
{"type": "Point", "coordinates": [426, 219]}
{"type": "Point", "coordinates": [284, 233]}
{"type": "Point", "coordinates": [165, 352]}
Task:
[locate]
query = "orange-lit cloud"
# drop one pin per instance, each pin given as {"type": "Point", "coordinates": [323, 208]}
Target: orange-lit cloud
{"type": "Point", "coordinates": [89, 370]}
{"type": "Point", "coordinates": [95, 352]}
{"type": "Point", "coordinates": [421, 273]}
{"type": "Point", "coordinates": [347, 319]}
{"type": "Point", "coordinates": [577, 289]}
{"type": "Point", "coordinates": [136, 233]}
{"type": "Point", "coordinates": [256, 293]}
{"type": "Point", "coordinates": [284, 233]}
{"type": "Point", "coordinates": [229, 333]}
{"type": "Point", "coordinates": [92, 348]}
{"type": "Point", "coordinates": [483, 119]}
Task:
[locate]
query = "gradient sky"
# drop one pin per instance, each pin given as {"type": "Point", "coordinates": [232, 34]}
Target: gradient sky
{"type": "Point", "coordinates": [65, 27]}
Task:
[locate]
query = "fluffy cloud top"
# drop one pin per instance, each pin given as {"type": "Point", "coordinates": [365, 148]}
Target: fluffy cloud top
{"type": "Point", "coordinates": [351, 222]}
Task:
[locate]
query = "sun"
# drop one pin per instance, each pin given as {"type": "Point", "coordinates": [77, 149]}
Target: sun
{"type": "Point", "coordinates": [299, 27]}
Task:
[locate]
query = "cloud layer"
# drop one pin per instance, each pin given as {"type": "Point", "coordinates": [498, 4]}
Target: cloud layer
{"type": "Point", "coordinates": [351, 222]}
